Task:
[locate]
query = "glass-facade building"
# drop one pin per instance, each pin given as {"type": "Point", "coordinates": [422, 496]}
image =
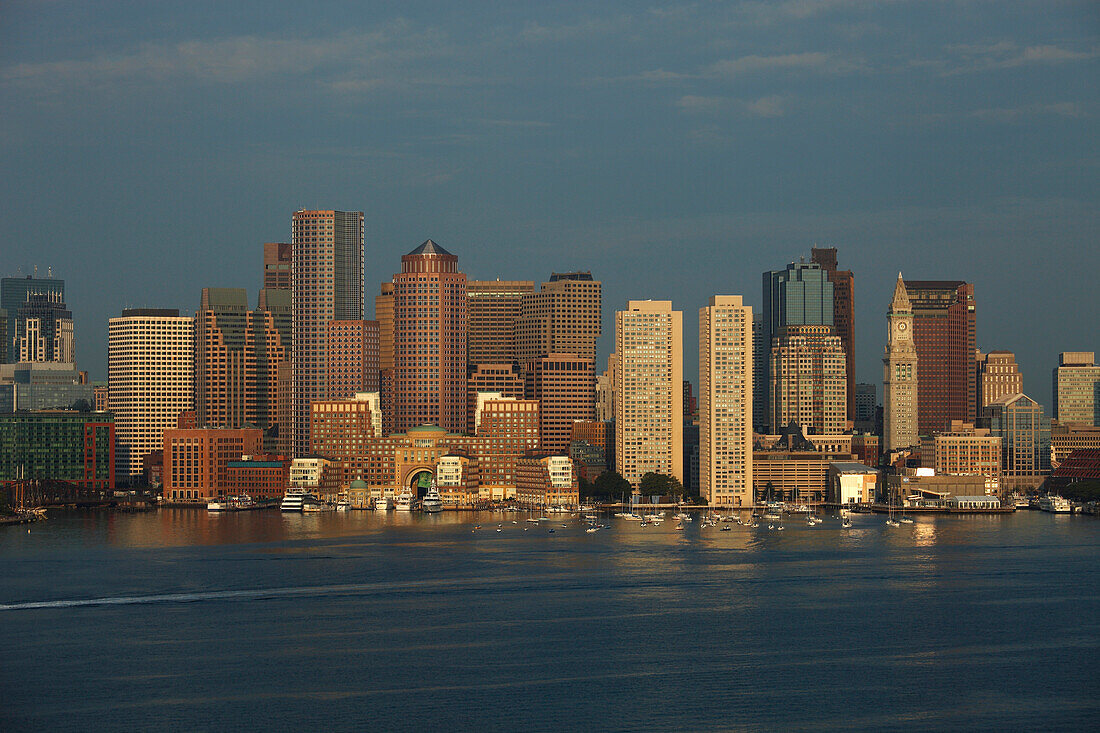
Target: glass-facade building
{"type": "Point", "coordinates": [77, 447]}
{"type": "Point", "coordinates": [1024, 431]}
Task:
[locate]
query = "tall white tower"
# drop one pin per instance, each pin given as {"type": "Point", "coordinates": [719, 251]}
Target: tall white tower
{"type": "Point", "coordinates": [899, 374]}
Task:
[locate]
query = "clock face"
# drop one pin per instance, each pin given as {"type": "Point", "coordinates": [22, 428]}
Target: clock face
{"type": "Point", "coordinates": [902, 326]}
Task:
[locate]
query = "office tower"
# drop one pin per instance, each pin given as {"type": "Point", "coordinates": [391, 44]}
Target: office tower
{"type": "Point", "coordinates": [494, 308]}
{"type": "Point", "coordinates": [725, 402]}
{"type": "Point", "coordinates": [844, 314]}
{"type": "Point", "coordinates": [800, 295]}
{"type": "Point", "coordinates": [565, 387]}
{"type": "Point", "coordinates": [605, 391]}
{"type": "Point", "coordinates": [761, 363]}
{"type": "Point", "coordinates": [649, 423]}
{"type": "Point", "coordinates": [44, 330]}
{"type": "Point", "coordinates": [502, 379]}
{"type": "Point", "coordinates": [865, 403]}
{"type": "Point", "coordinates": [352, 358]}
{"type": "Point", "coordinates": [963, 450]}
{"type": "Point", "coordinates": [1077, 388]}
{"type": "Point", "coordinates": [1024, 431]}
{"type": "Point", "coordinates": [563, 317]}
{"type": "Point", "coordinates": [277, 264]}
{"type": "Point", "coordinates": [48, 385]}
{"type": "Point", "coordinates": [284, 409]}
{"type": "Point", "coordinates": [508, 428]}
{"type": "Point", "coordinates": [998, 375]}
{"type": "Point", "coordinates": [383, 313]}
{"type": "Point", "coordinates": [237, 354]}
{"type": "Point", "coordinates": [807, 380]}
{"type": "Point", "coordinates": [429, 326]}
{"type": "Point", "coordinates": [150, 381]}
{"type": "Point", "coordinates": [691, 407]}
{"type": "Point", "coordinates": [13, 294]}
{"type": "Point", "coordinates": [901, 368]}
{"type": "Point", "coordinates": [944, 333]}
{"type": "Point", "coordinates": [327, 275]}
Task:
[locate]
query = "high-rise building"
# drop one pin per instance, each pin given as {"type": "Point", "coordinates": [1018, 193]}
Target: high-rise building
{"type": "Point", "coordinates": [1077, 388]}
{"type": "Point", "coordinates": [327, 275]}
{"type": "Point", "coordinates": [502, 379]}
{"type": "Point", "coordinates": [563, 317]}
{"type": "Point", "coordinates": [383, 313]}
{"type": "Point", "coordinates": [352, 358]}
{"type": "Point", "coordinates": [944, 333]}
{"type": "Point", "coordinates": [1024, 431]}
{"type": "Point", "coordinates": [565, 387]}
{"type": "Point", "coordinates": [507, 428]}
{"type": "Point", "coordinates": [44, 330]}
{"type": "Point", "coordinates": [494, 308]}
{"type": "Point", "coordinates": [150, 381]}
{"type": "Point", "coordinates": [998, 375]}
{"type": "Point", "coordinates": [901, 368]}
{"type": "Point", "coordinates": [800, 295]}
{"type": "Point", "coordinates": [237, 355]}
{"type": "Point", "coordinates": [605, 391]}
{"type": "Point", "coordinates": [865, 403]}
{"type": "Point", "coordinates": [649, 411]}
{"type": "Point", "coordinates": [725, 402]}
{"type": "Point", "coordinates": [844, 314]}
{"type": "Point", "coordinates": [429, 325]}
{"type": "Point", "coordinates": [13, 294]}
{"type": "Point", "coordinates": [277, 264]}
{"type": "Point", "coordinates": [807, 380]}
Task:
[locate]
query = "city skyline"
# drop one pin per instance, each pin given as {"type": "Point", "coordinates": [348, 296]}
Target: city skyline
{"type": "Point", "coordinates": [159, 149]}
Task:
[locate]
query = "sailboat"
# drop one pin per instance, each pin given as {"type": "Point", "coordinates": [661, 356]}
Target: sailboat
{"type": "Point", "coordinates": [890, 521]}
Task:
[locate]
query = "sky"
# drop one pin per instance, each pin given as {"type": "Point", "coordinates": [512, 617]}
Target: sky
{"type": "Point", "coordinates": [676, 150]}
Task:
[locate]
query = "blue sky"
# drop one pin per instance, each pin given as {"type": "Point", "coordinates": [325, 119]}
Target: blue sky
{"type": "Point", "coordinates": [676, 150]}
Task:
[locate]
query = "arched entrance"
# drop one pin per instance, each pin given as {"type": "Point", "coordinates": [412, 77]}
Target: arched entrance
{"type": "Point", "coordinates": [419, 481]}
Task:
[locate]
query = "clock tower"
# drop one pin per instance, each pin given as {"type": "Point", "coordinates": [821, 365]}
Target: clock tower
{"type": "Point", "coordinates": [899, 376]}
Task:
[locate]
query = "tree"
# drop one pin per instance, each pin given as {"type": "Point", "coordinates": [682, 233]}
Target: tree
{"type": "Point", "coordinates": [1082, 491]}
{"type": "Point", "coordinates": [612, 484]}
{"type": "Point", "coordinates": [661, 484]}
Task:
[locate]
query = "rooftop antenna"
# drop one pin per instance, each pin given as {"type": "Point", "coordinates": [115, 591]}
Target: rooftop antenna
{"type": "Point", "coordinates": [36, 270]}
{"type": "Point", "coordinates": [49, 272]}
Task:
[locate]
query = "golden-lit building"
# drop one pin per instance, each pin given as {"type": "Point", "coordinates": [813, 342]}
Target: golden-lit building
{"type": "Point", "coordinates": [196, 462]}
{"type": "Point", "coordinates": [546, 481]}
{"type": "Point", "coordinates": [964, 451]}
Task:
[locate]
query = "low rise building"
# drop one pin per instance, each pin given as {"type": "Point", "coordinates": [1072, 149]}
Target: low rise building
{"type": "Point", "coordinates": [920, 487]}
{"type": "Point", "coordinates": [259, 476]}
{"type": "Point", "coordinates": [964, 450]}
{"type": "Point", "coordinates": [61, 445]}
{"type": "Point", "coordinates": [546, 481]}
{"type": "Point", "coordinates": [852, 483]}
{"type": "Point", "coordinates": [196, 461]}
{"type": "Point", "coordinates": [794, 476]}
{"type": "Point", "coordinates": [1065, 439]}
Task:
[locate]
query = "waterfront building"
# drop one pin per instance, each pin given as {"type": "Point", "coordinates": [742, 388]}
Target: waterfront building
{"type": "Point", "coordinates": [565, 387]}
{"type": "Point", "coordinates": [458, 480]}
{"type": "Point", "coordinates": [998, 375]}
{"type": "Point", "coordinates": [546, 480]}
{"type": "Point", "coordinates": [278, 260]}
{"type": "Point", "coordinates": [352, 358]}
{"type": "Point", "coordinates": [327, 277]}
{"type": "Point", "coordinates": [807, 379]}
{"type": "Point", "coordinates": [1083, 464]}
{"type": "Point", "coordinates": [844, 315]}
{"type": "Point", "coordinates": [507, 429]}
{"type": "Point", "coordinates": [725, 437]}
{"type": "Point", "coordinates": [1077, 388]}
{"type": "Point", "coordinates": [44, 330]}
{"type": "Point", "coordinates": [259, 476]}
{"type": "Point", "coordinates": [562, 317]}
{"type": "Point", "coordinates": [591, 443]}
{"type": "Point", "coordinates": [798, 476]}
{"type": "Point", "coordinates": [13, 294]}
{"type": "Point", "coordinates": [920, 487]}
{"type": "Point", "coordinates": [196, 461]}
{"type": "Point", "coordinates": [340, 428]}
{"type": "Point", "coordinates": [43, 386]}
{"type": "Point", "coordinates": [430, 340]}
{"type": "Point", "coordinates": [503, 379]}
{"type": "Point", "coordinates": [1024, 430]}
{"type": "Point", "coordinates": [900, 371]}
{"type": "Point", "coordinates": [494, 308]}
{"type": "Point", "coordinates": [59, 445]}
{"type": "Point", "coordinates": [800, 295]}
{"type": "Point", "coordinates": [1065, 438]}
{"type": "Point", "coordinates": [944, 331]}
{"type": "Point", "coordinates": [150, 381]}
{"type": "Point", "coordinates": [237, 355]}
{"type": "Point", "coordinates": [649, 393]}
{"type": "Point", "coordinates": [851, 482]}
{"type": "Point", "coordinates": [964, 450]}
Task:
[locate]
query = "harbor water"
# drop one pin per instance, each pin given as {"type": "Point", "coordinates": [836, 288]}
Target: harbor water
{"type": "Point", "coordinates": [182, 620]}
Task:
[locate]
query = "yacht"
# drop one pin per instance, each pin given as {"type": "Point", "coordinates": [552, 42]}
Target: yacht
{"type": "Point", "coordinates": [383, 503]}
{"type": "Point", "coordinates": [404, 502]}
{"type": "Point", "coordinates": [241, 503]}
{"type": "Point", "coordinates": [1054, 503]}
{"type": "Point", "coordinates": [432, 501]}
{"type": "Point", "coordinates": [297, 500]}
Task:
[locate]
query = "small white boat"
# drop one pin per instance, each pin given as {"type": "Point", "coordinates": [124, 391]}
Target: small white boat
{"type": "Point", "coordinates": [342, 506]}
{"type": "Point", "coordinates": [847, 523]}
{"type": "Point", "coordinates": [296, 500]}
{"type": "Point", "coordinates": [906, 520]}
{"type": "Point", "coordinates": [383, 504]}
{"type": "Point", "coordinates": [404, 502]}
{"type": "Point", "coordinates": [892, 523]}
{"type": "Point", "coordinates": [1055, 504]}
{"type": "Point", "coordinates": [779, 528]}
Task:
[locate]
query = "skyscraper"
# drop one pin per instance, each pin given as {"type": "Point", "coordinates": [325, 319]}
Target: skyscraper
{"type": "Point", "coordinates": [352, 358]}
{"type": "Point", "coordinates": [900, 372]}
{"type": "Point", "coordinates": [429, 326]}
{"type": "Point", "coordinates": [327, 274]}
{"type": "Point", "coordinates": [844, 314]}
{"type": "Point", "coordinates": [150, 378]}
{"type": "Point", "coordinates": [13, 294]}
{"type": "Point", "coordinates": [277, 264]}
{"type": "Point", "coordinates": [944, 334]}
{"type": "Point", "coordinates": [563, 317]}
{"type": "Point", "coordinates": [494, 308]}
{"type": "Point", "coordinates": [565, 387]}
{"type": "Point", "coordinates": [725, 402]}
{"type": "Point", "coordinates": [383, 313]}
{"type": "Point", "coordinates": [807, 380]}
{"type": "Point", "coordinates": [800, 295]}
{"type": "Point", "coordinates": [501, 379]}
{"type": "Point", "coordinates": [1077, 388]}
{"type": "Point", "coordinates": [44, 330]}
{"type": "Point", "coordinates": [649, 393]}
{"type": "Point", "coordinates": [998, 375]}
{"type": "Point", "coordinates": [1024, 430]}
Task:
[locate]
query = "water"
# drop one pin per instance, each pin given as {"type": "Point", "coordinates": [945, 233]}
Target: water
{"type": "Point", "coordinates": [179, 620]}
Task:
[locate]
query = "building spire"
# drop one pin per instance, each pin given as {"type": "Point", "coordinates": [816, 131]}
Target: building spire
{"type": "Point", "coordinates": [901, 297]}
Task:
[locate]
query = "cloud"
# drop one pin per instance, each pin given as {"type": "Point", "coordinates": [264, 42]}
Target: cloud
{"type": "Point", "coordinates": [771, 106]}
{"type": "Point", "coordinates": [971, 58]}
{"type": "Point", "coordinates": [753, 64]}
{"type": "Point", "coordinates": [1011, 114]}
